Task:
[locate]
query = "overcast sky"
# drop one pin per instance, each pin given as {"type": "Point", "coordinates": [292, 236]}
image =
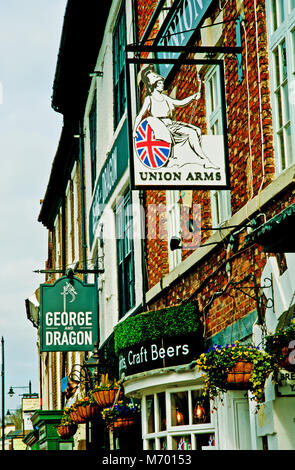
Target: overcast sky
{"type": "Point", "coordinates": [30, 32]}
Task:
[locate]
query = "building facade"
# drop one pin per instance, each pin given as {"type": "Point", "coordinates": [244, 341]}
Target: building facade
{"type": "Point", "coordinates": [229, 276]}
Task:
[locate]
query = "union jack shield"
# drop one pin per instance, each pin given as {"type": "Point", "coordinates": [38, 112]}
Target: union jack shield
{"type": "Point", "coordinates": [152, 152]}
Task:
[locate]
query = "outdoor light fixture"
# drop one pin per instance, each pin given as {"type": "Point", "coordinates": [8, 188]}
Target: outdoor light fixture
{"type": "Point", "coordinates": [175, 243]}
{"type": "Point", "coordinates": [11, 392]}
{"type": "Point", "coordinates": [95, 365]}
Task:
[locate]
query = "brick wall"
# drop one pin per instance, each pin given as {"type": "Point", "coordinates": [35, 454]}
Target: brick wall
{"type": "Point", "coordinates": [246, 158]}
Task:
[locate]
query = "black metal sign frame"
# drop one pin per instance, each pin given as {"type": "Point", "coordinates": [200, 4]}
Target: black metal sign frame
{"type": "Point", "coordinates": [180, 61]}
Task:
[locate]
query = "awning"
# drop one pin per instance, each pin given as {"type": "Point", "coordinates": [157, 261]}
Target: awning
{"type": "Point", "coordinates": [33, 307]}
{"type": "Point", "coordinates": [276, 235]}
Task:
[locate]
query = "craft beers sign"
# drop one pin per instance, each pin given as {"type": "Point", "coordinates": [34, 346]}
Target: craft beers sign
{"type": "Point", "coordinates": [178, 139]}
{"type": "Point", "coordinates": [68, 315]}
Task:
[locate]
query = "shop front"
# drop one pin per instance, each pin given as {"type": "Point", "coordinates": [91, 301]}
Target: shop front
{"type": "Point", "coordinates": [45, 435]}
{"type": "Point", "coordinates": [157, 352]}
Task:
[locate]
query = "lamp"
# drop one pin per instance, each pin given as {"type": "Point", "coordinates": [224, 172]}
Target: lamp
{"type": "Point", "coordinates": [11, 392]}
{"type": "Point", "coordinates": [95, 365]}
{"type": "Point", "coordinates": [175, 243]}
{"type": "Point", "coordinates": [179, 417]}
{"type": "Point", "coordinates": [199, 413]}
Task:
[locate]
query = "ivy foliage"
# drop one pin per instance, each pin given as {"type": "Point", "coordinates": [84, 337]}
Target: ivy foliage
{"type": "Point", "coordinates": [153, 325]}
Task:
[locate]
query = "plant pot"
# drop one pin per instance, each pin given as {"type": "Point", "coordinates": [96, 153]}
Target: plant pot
{"type": "Point", "coordinates": [106, 398]}
{"type": "Point", "coordinates": [124, 423]}
{"type": "Point", "coordinates": [239, 375]}
{"type": "Point", "coordinates": [76, 418]}
{"type": "Point", "coordinates": [66, 431]}
{"type": "Point", "coordinates": [87, 412]}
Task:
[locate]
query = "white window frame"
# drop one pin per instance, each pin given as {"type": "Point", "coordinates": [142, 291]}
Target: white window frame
{"type": "Point", "coordinates": [171, 432]}
{"type": "Point", "coordinates": [76, 216]}
{"type": "Point", "coordinates": [220, 198]}
{"type": "Point", "coordinates": [173, 226]}
{"type": "Point", "coordinates": [282, 31]}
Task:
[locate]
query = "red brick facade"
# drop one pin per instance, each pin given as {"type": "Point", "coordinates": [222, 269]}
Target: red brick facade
{"type": "Point", "coordinates": [252, 168]}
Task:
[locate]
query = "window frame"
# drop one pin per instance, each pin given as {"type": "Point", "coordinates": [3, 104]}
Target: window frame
{"type": "Point", "coordinates": [125, 254]}
{"type": "Point", "coordinates": [119, 66]}
{"type": "Point", "coordinates": [173, 431]}
{"type": "Point", "coordinates": [279, 33]}
{"type": "Point", "coordinates": [93, 139]}
{"type": "Point", "coordinates": [220, 198]}
{"type": "Point", "coordinates": [173, 225]}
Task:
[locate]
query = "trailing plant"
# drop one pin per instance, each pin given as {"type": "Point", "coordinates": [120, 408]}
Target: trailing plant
{"type": "Point", "coordinates": [66, 419]}
{"type": "Point", "coordinates": [84, 401]}
{"type": "Point", "coordinates": [120, 410]}
{"type": "Point", "coordinates": [278, 343]}
{"type": "Point", "coordinates": [218, 361]}
{"type": "Point", "coordinates": [167, 322]}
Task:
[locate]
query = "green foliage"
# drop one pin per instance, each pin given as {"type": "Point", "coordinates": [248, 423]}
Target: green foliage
{"type": "Point", "coordinates": [277, 344]}
{"type": "Point", "coordinates": [167, 322]}
{"type": "Point", "coordinates": [16, 419]}
{"type": "Point", "coordinates": [218, 361]}
{"type": "Point", "coordinates": [120, 410]}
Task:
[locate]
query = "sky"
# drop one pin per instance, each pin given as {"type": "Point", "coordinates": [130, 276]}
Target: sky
{"type": "Point", "coordinates": [30, 32]}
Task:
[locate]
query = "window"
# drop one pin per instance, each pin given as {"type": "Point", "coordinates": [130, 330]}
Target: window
{"type": "Point", "coordinates": [125, 255]}
{"type": "Point", "coordinates": [119, 42]}
{"type": "Point", "coordinates": [174, 227]}
{"type": "Point", "coordinates": [220, 207]}
{"type": "Point", "coordinates": [92, 130]}
{"type": "Point", "coordinates": [177, 420]}
{"type": "Point", "coordinates": [281, 39]}
{"type": "Point", "coordinates": [220, 199]}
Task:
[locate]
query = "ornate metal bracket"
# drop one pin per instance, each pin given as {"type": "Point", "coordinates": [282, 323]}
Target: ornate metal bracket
{"type": "Point", "coordinates": [257, 296]}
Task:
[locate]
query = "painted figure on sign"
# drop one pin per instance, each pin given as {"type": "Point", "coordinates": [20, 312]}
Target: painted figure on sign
{"type": "Point", "coordinates": [156, 136]}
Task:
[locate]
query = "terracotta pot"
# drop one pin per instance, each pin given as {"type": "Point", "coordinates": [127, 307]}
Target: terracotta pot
{"type": "Point", "coordinates": [106, 398]}
{"type": "Point", "coordinates": [87, 412]}
{"type": "Point", "coordinates": [66, 431]}
{"type": "Point", "coordinates": [124, 423]}
{"type": "Point", "coordinates": [239, 375]}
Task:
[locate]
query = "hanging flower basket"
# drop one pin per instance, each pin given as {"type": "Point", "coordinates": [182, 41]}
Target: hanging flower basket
{"type": "Point", "coordinates": [67, 428]}
{"type": "Point", "coordinates": [67, 431]}
{"type": "Point", "coordinates": [83, 410]}
{"type": "Point", "coordinates": [124, 423]}
{"type": "Point", "coordinates": [121, 416]}
{"type": "Point", "coordinates": [105, 397]}
{"type": "Point", "coordinates": [235, 366]}
{"type": "Point", "coordinates": [107, 393]}
{"type": "Point", "coordinates": [239, 376]}
{"type": "Point", "coordinates": [76, 418]}
{"type": "Point", "coordinates": [280, 346]}
{"type": "Point", "coordinates": [88, 412]}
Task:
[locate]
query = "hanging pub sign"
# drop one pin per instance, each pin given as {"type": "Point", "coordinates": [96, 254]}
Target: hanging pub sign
{"type": "Point", "coordinates": [177, 139]}
{"type": "Point", "coordinates": [68, 315]}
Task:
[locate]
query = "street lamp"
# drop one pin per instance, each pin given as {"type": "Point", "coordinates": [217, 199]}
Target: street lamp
{"type": "Point", "coordinates": [11, 392]}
